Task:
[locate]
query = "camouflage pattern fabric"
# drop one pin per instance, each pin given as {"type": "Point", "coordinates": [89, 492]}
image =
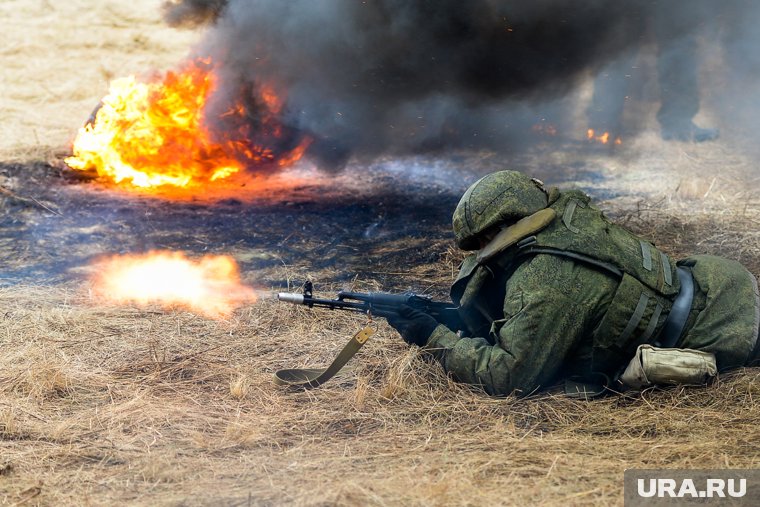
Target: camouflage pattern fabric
{"type": "Point", "coordinates": [725, 315]}
{"type": "Point", "coordinates": [496, 198]}
{"type": "Point", "coordinates": [538, 316]}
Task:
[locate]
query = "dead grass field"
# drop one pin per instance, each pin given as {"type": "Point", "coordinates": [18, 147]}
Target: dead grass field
{"type": "Point", "coordinates": [109, 406]}
{"type": "Point", "coordinates": [125, 406]}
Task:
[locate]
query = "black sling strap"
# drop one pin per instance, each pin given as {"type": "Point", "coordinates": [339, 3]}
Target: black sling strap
{"type": "Point", "coordinates": [679, 312]}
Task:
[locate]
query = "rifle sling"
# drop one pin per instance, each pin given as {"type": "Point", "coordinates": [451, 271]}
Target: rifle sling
{"type": "Point", "coordinates": [679, 312]}
{"type": "Point", "coordinates": [314, 377]}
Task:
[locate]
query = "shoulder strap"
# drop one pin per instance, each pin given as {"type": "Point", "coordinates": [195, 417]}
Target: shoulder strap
{"type": "Point", "coordinates": [604, 266]}
{"type": "Point", "coordinates": [516, 232]}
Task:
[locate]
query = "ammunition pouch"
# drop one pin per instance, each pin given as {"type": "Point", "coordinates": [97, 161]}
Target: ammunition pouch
{"type": "Point", "coordinates": [655, 366]}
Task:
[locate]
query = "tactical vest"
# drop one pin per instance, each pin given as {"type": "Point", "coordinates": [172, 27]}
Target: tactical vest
{"type": "Point", "coordinates": [580, 232]}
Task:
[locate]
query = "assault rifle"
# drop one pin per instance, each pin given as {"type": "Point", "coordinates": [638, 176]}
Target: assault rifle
{"type": "Point", "coordinates": [378, 304]}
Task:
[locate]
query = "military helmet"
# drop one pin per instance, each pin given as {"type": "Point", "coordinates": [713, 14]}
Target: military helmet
{"type": "Point", "coordinates": [500, 197]}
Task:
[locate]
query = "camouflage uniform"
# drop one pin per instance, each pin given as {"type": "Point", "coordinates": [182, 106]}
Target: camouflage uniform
{"type": "Point", "coordinates": [574, 298]}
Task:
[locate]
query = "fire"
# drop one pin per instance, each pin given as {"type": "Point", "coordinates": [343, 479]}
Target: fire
{"type": "Point", "coordinates": [603, 138]}
{"type": "Point", "coordinates": [210, 286]}
{"type": "Point", "coordinates": [158, 133]}
{"type": "Point", "coordinates": [546, 129]}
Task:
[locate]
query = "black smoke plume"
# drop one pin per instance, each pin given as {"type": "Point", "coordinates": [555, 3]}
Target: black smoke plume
{"type": "Point", "coordinates": [373, 77]}
{"type": "Point", "coordinates": [190, 13]}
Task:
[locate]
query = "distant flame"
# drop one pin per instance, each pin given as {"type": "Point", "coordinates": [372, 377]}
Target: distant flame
{"type": "Point", "coordinates": [156, 133]}
{"type": "Point", "coordinates": [210, 286]}
{"type": "Point", "coordinates": [603, 138]}
{"type": "Point", "coordinates": [546, 129]}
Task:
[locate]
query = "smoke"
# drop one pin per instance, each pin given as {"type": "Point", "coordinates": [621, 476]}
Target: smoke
{"type": "Point", "coordinates": [416, 76]}
{"type": "Point", "coordinates": [737, 95]}
{"type": "Point", "coordinates": [191, 13]}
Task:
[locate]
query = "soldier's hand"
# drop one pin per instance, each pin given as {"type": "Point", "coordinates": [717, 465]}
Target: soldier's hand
{"type": "Point", "coordinates": [414, 326]}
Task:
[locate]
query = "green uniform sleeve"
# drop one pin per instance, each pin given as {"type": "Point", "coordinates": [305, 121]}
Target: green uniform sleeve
{"type": "Point", "coordinates": [551, 304]}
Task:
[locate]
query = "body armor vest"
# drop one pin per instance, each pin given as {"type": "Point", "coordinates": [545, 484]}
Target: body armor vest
{"type": "Point", "coordinates": [580, 232]}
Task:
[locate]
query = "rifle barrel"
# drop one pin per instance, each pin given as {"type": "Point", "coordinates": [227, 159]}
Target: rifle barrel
{"type": "Point", "coordinates": [289, 297]}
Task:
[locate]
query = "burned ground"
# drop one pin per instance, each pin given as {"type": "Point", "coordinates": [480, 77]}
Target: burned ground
{"type": "Point", "coordinates": [71, 222]}
{"type": "Point", "coordinates": [367, 221]}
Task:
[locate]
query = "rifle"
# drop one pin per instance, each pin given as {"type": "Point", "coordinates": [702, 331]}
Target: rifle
{"type": "Point", "coordinates": [378, 304]}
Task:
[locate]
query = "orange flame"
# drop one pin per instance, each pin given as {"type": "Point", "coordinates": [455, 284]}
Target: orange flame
{"type": "Point", "coordinates": [210, 286]}
{"type": "Point", "coordinates": [156, 133]}
{"type": "Point", "coordinates": [603, 138]}
{"type": "Point", "coordinates": [546, 129]}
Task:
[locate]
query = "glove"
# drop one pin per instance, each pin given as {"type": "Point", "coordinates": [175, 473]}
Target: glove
{"type": "Point", "coordinates": [414, 326]}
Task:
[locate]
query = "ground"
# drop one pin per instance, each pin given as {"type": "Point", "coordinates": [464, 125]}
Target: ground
{"type": "Point", "coordinates": [103, 405]}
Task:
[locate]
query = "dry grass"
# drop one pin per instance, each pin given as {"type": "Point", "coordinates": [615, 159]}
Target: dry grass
{"type": "Point", "coordinates": [109, 406]}
{"type": "Point", "coordinates": [106, 405]}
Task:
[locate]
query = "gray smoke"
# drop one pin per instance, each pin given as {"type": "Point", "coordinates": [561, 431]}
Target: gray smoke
{"type": "Point", "coordinates": [190, 13]}
{"type": "Point", "coordinates": [411, 76]}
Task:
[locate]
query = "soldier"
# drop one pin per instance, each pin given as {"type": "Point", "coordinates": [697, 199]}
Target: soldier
{"type": "Point", "coordinates": [555, 291]}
